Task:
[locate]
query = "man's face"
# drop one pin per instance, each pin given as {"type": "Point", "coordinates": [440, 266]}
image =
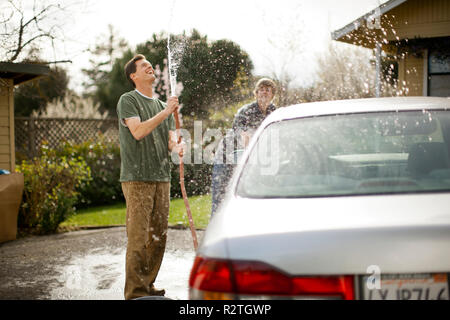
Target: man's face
{"type": "Point", "coordinates": [264, 94]}
{"type": "Point", "coordinates": [144, 72]}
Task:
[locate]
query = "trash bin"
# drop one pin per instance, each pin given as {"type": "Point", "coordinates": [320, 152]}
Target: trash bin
{"type": "Point", "coordinates": [11, 188]}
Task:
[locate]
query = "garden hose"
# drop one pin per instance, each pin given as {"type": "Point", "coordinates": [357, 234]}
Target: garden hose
{"type": "Point", "coordinates": [183, 189]}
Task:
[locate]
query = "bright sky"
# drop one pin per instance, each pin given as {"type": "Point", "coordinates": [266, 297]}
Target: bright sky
{"type": "Point", "coordinates": [252, 24]}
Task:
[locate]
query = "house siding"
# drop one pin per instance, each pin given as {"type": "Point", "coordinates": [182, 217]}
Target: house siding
{"type": "Point", "coordinates": [413, 19]}
{"type": "Point", "coordinates": [7, 151]}
{"type": "Point", "coordinates": [420, 18]}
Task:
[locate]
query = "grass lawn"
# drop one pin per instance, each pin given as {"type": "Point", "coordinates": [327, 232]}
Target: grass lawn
{"type": "Point", "coordinates": [115, 214]}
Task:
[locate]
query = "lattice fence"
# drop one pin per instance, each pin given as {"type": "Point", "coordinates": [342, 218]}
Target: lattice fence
{"type": "Point", "coordinates": [31, 132]}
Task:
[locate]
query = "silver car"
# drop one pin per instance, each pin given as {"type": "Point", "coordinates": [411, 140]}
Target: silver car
{"type": "Point", "coordinates": [336, 200]}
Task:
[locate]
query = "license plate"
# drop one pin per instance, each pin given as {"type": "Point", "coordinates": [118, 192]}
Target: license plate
{"type": "Point", "coordinates": [407, 287]}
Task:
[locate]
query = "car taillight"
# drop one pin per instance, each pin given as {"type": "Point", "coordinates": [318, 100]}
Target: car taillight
{"type": "Point", "coordinates": [217, 279]}
{"type": "Point", "coordinates": [210, 279]}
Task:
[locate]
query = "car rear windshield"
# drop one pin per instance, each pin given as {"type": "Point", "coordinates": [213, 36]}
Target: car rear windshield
{"type": "Point", "coordinates": [371, 153]}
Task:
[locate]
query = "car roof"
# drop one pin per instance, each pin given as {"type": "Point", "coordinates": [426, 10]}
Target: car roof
{"type": "Point", "coordinates": [358, 106]}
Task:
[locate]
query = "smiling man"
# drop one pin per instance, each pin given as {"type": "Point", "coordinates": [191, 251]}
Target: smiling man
{"type": "Point", "coordinates": [147, 135]}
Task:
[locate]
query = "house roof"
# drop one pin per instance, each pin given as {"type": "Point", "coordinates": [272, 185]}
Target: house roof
{"type": "Point", "coordinates": [385, 7]}
{"type": "Point", "coordinates": [21, 72]}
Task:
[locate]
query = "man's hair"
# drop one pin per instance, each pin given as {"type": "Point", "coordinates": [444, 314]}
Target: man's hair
{"type": "Point", "coordinates": [130, 67]}
{"type": "Point", "coordinates": [265, 82]}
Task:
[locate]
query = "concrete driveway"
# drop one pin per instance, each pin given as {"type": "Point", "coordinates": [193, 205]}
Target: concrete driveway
{"type": "Point", "coordinates": [86, 265]}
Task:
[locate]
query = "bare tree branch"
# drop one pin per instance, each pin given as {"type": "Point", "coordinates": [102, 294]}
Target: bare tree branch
{"type": "Point", "coordinates": [25, 29]}
{"type": "Point", "coordinates": [286, 39]}
{"type": "Point", "coordinates": [7, 19]}
{"type": "Point", "coordinates": [59, 61]}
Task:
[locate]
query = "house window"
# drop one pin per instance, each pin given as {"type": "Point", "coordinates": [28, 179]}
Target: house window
{"type": "Point", "coordinates": [439, 74]}
{"type": "Point", "coordinates": [389, 68]}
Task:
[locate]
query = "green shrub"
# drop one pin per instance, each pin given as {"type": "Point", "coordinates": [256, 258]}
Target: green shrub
{"type": "Point", "coordinates": [103, 159]}
{"type": "Point", "coordinates": [50, 189]}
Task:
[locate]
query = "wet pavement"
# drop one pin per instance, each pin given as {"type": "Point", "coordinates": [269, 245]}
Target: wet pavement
{"type": "Point", "coordinates": [86, 265]}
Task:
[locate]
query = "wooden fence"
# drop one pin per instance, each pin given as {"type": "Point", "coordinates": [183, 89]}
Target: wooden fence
{"type": "Point", "coordinates": [31, 132]}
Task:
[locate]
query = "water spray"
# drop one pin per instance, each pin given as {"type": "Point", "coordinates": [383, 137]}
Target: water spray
{"type": "Point", "coordinates": [174, 59]}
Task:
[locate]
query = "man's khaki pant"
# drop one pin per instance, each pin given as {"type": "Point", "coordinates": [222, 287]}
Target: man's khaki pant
{"type": "Point", "coordinates": [147, 219]}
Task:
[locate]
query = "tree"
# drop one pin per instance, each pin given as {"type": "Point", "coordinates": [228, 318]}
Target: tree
{"type": "Point", "coordinates": [109, 91]}
{"type": "Point", "coordinates": [34, 95]}
{"type": "Point", "coordinates": [208, 72]}
{"type": "Point", "coordinates": [24, 29]}
{"type": "Point", "coordinates": [346, 72]}
{"type": "Point", "coordinates": [71, 106]}
{"type": "Point", "coordinates": [285, 36]}
{"type": "Point", "coordinates": [103, 55]}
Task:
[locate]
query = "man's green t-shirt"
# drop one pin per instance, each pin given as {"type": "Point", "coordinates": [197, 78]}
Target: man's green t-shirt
{"type": "Point", "coordinates": [147, 159]}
